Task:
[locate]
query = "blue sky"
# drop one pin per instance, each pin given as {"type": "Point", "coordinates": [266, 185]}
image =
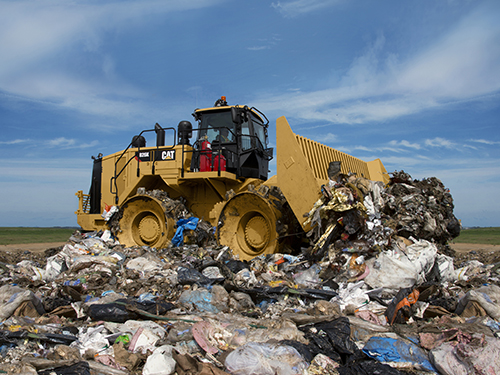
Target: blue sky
{"type": "Point", "coordinates": [414, 83]}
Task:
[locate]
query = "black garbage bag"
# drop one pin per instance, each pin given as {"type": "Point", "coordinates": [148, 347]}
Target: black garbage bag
{"type": "Point", "coordinates": [353, 221]}
{"type": "Point", "coordinates": [190, 276]}
{"type": "Point", "coordinates": [319, 343]}
{"type": "Point", "coordinates": [332, 338]}
{"type": "Point", "coordinates": [79, 368]}
{"type": "Point", "coordinates": [236, 265]}
{"type": "Point", "coordinates": [339, 332]}
{"type": "Point", "coordinates": [125, 309]}
{"type": "Point", "coordinates": [111, 312]}
{"type": "Point", "coordinates": [303, 349]}
{"type": "Point", "coordinates": [453, 227]}
{"type": "Point", "coordinates": [368, 367]}
{"type": "Point", "coordinates": [334, 170]}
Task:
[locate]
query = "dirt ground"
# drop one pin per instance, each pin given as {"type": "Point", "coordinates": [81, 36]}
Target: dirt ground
{"type": "Point", "coordinates": [37, 252]}
{"type": "Point", "coordinates": [32, 247]}
{"type": "Point", "coordinates": [462, 252]}
{"type": "Point", "coordinates": [486, 254]}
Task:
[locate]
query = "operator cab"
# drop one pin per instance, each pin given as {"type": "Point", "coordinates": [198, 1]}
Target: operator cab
{"type": "Point", "coordinates": [232, 138]}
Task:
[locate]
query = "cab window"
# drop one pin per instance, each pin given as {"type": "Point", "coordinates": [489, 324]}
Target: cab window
{"type": "Point", "coordinates": [217, 126]}
{"type": "Point", "coordinates": [260, 132]}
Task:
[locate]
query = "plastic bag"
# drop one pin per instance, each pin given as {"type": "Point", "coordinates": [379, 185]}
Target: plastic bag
{"type": "Point", "coordinates": [144, 264]}
{"type": "Point", "coordinates": [368, 367]}
{"type": "Point", "coordinates": [183, 224]}
{"type": "Point", "coordinates": [143, 340]}
{"type": "Point", "coordinates": [399, 352]}
{"type": "Point", "coordinates": [487, 296]}
{"type": "Point", "coordinates": [396, 269]}
{"type": "Point", "coordinates": [479, 355]}
{"type": "Point", "coordinates": [265, 359]}
{"type": "Point", "coordinates": [160, 362]}
{"type": "Point", "coordinates": [332, 338]}
{"type": "Point", "coordinates": [117, 311]}
{"type": "Point", "coordinates": [308, 278]}
{"type": "Point", "coordinates": [190, 276]}
{"type": "Point", "coordinates": [81, 368]}
{"type": "Point", "coordinates": [201, 299]}
{"type": "Point", "coordinates": [11, 297]}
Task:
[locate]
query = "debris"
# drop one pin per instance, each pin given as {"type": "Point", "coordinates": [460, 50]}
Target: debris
{"type": "Point", "coordinates": [375, 290]}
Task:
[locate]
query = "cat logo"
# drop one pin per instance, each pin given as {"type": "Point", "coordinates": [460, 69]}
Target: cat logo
{"type": "Point", "coordinates": [168, 155]}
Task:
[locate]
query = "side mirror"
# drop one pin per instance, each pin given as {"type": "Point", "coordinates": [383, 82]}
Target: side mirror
{"type": "Point", "coordinates": [235, 115]}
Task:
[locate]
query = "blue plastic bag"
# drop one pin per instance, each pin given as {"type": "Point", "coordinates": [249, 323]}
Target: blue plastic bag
{"type": "Point", "coordinates": [386, 349]}
{"type": "Point", "coordinates": [182, 224]}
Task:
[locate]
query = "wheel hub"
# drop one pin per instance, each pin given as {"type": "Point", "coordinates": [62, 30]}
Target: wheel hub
{"type": "Point", "coordinates": [149, 228]}
{"type": "Point", "coordinates": [257, 232]}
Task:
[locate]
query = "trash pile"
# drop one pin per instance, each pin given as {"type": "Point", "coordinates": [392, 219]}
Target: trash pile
{"type": "Point", "coordinates": [375, 292]}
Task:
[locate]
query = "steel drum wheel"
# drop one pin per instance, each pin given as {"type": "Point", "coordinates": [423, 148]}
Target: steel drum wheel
{"type": "Point", "coordinates": [144, 223]}
{"type": "Point", "coordinates": [247, 225]}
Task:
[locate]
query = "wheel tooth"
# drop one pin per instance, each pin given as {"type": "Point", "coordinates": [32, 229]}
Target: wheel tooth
{"type": "Point", "coordinates": [230, 194]}
{"type": "Point", "coordinates": [215, 213]}
{"type": "Point", "coordinates": [264, 191]}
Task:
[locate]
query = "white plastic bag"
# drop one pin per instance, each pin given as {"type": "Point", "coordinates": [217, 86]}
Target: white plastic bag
{"type": "Point", "coordinates": [265, 359]}
{"type": "Point", "coordinates": [401, 268]}
{"type": "Point", "coordinates": [487, 296]}
{"type": "Point", "coordinates": [160, 362]}
{"type": "Point", "coordinates": [11, 297]}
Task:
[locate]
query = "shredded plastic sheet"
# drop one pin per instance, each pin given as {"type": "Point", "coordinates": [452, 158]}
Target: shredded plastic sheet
{"type": "Point", "coordinates": [401, 267]}
{"type": "Point", "coordinates": [487, 296]}
{"type": "Point", "coordinates": [265, 359]}
{"type": "Point", "coordinates": [183, 224]}
{"type": "Point", "coordinates": [476, 355]}
{"type": "Point", "coordinates": [398, 353]}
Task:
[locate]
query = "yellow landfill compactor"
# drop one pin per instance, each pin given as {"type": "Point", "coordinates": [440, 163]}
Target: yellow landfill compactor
{"type": "Point", "coordinates": [219, 170]}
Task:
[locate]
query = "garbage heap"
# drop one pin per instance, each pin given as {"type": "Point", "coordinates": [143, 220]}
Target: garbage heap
{"type": "Point", "coordinates": [374, 292]}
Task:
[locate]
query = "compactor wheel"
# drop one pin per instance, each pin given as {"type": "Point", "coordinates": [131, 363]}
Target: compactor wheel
{"type": "Point", "coordinates": [144, 223]}
{"type": "Point", "coordinates": [247, 224]}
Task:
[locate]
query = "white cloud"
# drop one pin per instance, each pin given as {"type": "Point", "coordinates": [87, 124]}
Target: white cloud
{"type": "Point", "coordinates": [326, 138]}
{"type": "Point", "coordinates": [463, 64]}
{"type": "Point", "coordinates": [329, 137]}
{"type": "Point", "coordinates": [33, 32]}
{"type": "Point", "coordinates": [298, 7]}
{"type": "Point", "coordinates": [258, 48]}
{"type": "Point", "coordinates": [15, 141]}
{"type": "Point", "coordinates": [440, 142]}
{"type": "Point", "coordinates": [405, 143]}
{"type": "Point", "coordinates": [486, 142]}
{"type": "Point", "coordinates": [63, 143]}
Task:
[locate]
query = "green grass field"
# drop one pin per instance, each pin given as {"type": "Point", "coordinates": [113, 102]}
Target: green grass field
{"type": "Point", "coordinates": [487, 236]}
{"type": "Point", "coordinates": [18, 235]}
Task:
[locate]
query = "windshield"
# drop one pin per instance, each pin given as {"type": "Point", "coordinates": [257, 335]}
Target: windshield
{"type": "Point", "coordinates": [217, 126]}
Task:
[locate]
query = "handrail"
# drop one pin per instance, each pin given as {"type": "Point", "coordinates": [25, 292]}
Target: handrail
{"type": "Point", "coordinates": [114, 178]}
